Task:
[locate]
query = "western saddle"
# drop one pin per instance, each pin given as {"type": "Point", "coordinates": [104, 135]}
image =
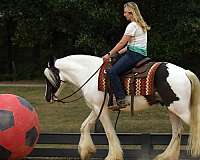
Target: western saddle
{"type": "Point", "coordinates": [140, 70]}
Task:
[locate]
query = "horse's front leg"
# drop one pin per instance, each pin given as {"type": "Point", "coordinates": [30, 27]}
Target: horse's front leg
{"type": "Point", "coordinates": [115, 150]}
{"type": "Point", "coordinates": [86, 146]}
{"type": "Point", "coordinates": [172, 152]}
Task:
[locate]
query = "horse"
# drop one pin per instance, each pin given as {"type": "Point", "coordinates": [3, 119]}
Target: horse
{"type": "Point", "coordinates": [178, 88]}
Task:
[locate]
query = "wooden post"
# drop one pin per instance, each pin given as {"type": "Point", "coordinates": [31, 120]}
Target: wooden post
{"type": "Point", "coordinates": [146, 147]}
{"type": "Point", "coordinates": [14, 71]}
{"type": "Point", "coordinates": [98, 127]}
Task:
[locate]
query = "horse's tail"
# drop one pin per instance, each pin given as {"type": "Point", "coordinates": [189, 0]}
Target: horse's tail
{"type": "Point", "coordinates": [194, 138]}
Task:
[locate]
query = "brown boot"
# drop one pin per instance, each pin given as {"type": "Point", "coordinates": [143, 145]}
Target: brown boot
{"type": "Point", "coordinates": [121, 103]}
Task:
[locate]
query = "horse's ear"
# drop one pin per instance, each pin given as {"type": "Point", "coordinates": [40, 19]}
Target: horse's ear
{"type": "Point", "coordinates": [52, 60]}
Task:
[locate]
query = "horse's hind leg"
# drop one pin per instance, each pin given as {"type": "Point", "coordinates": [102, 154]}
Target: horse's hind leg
{"type": "Point", "coordinates": [86, 146]}
{"type": "Point", "coordinates": [172, 152]}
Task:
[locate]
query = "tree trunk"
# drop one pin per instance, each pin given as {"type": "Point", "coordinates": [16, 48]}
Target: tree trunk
{"type": "Point", "coordinates": [10, 29]}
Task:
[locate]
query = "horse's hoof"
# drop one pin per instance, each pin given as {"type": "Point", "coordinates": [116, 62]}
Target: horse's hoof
{"type": "Point", "coordinates": [113, 158]}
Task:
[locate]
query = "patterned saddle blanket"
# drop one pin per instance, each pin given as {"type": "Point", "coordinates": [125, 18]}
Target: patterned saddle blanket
{"type": "Point", "coordinates": [138, 81]}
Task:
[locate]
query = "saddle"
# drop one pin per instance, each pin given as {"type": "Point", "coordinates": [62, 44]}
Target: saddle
{"type": "Point", "coordinates": [137, 81]}
{"type": "Point", "coordinates": [141, 68]}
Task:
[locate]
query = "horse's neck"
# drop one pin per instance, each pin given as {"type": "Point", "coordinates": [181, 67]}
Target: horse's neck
{"type": "Point", "coordinates": [78, 68]}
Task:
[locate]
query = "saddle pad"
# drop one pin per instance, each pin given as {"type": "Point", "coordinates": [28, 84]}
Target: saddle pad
{"type": "Point", "coordinates": [140, 86]}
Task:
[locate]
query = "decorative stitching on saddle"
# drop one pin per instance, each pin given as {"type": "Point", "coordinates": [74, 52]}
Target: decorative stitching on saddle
{"type": "Point", "coordinates": [143, 86]}
{"type": "Point", "coordinates": [150, 78]}
{"type": "Point", "coordinates": [129, 87]}
{"type": "Point", "coordinates": [138, 86]}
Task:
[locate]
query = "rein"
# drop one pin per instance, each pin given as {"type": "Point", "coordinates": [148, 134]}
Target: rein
{"type": "Point", "coordinates": [61, 100]}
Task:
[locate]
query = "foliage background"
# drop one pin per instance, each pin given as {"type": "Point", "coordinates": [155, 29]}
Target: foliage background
{"type": "Point", "coordinates": [31, 30]}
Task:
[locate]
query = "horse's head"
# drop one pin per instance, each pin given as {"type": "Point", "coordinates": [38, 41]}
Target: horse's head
{"type": "Point", "coordinates": [53, 80]}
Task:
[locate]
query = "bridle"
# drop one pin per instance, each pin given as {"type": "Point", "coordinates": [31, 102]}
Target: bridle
{"type": "Point", "coordinates": [61, 100]}
{"type": "Point", "coordinates": [70, 95]}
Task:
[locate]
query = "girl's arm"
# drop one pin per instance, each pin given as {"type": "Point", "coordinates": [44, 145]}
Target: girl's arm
{"type": "Point", "coordinates": [120, 45]}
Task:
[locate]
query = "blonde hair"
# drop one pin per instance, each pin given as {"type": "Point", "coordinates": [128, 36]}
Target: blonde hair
{"type": "Point", "coordinates": [137, 15]}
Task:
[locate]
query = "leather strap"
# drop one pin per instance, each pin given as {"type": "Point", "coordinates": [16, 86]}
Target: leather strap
{"type": "Point", "coordinates": [132, 95]}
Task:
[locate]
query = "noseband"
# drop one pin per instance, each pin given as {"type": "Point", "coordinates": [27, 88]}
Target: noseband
{"type": "Point", "coordinates": [54, 78]}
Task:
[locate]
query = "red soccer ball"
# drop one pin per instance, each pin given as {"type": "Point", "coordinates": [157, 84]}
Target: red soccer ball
{"type": "Point", "coordinates": [19, 127]}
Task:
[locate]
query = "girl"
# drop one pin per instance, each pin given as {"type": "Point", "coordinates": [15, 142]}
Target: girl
{"type": "Point", "coordinates": [133, 46]}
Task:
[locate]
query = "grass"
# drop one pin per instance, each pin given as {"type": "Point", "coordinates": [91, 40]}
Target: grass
{"type": "Point", "coordinates": [59, 117]}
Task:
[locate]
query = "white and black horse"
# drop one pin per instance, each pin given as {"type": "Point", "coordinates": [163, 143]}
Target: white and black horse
{"type": "Point", "coordinates": [178, 89]}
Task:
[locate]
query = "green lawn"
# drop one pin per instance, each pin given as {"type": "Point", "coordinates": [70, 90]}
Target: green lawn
{"type": "Point", "coordinates": [59, 117]}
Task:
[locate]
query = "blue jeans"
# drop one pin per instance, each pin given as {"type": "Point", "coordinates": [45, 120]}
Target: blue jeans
{"type": "Point", "coordinates": [124, 64]}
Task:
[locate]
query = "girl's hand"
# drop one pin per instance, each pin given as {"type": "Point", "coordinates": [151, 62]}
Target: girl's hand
{"type": "Point", "coordinates": [106, 57]}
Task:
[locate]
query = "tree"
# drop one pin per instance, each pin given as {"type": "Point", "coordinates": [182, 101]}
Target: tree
{"type": "Point", "coordinates": [64, 27]}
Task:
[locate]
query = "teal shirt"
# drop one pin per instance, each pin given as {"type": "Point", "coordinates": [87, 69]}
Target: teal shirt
{"type": "Point", "coordinates": [142, 51]}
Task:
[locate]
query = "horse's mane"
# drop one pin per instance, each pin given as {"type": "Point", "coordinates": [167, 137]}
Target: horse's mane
{"type": "Point", "coordinates": [83, 60]}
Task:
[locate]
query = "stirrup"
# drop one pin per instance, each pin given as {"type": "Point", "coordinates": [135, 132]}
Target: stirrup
{"type": "Point", "coordinates": [123, 103]}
